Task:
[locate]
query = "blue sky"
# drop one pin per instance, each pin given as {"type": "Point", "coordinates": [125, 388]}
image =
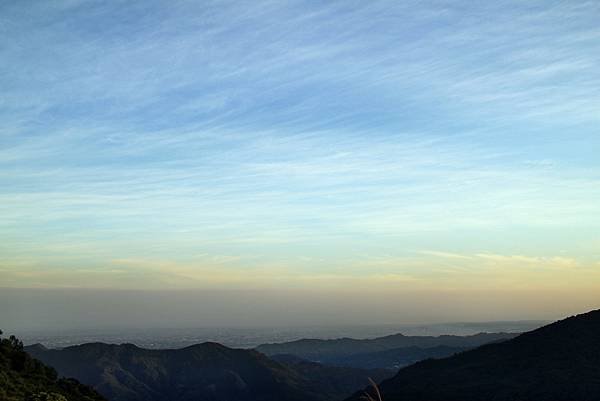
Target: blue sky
{"type": "Point", "coordinates": [395, 145]}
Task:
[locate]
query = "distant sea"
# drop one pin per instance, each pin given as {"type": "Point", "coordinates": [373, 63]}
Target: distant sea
{"type": "Point", "coordinates": [245, 337]}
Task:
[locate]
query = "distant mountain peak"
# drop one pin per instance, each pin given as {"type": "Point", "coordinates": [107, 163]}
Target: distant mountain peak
{"type": "Point", "coordinates": [37, 346]}
{"type": "Point", "coordinates": [207, 345]}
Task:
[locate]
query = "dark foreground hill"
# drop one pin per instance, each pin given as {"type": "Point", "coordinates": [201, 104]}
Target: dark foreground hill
{"type": "Point", "coordinates": [384, 352]}
{"type": "Point", "coordinates": [558, 362]}
{"type": "Point", "coordinates": [23, 378]}
{"type": "Point", "coordinates": [203, 372]}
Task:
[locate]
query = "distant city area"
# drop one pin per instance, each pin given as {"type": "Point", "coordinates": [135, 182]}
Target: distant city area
{"type": "Point", "coordinates": [161, 338]}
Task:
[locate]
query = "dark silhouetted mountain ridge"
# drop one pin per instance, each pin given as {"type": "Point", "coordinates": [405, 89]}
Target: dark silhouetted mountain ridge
{"type": "Point", "coordinates": [558, 362]}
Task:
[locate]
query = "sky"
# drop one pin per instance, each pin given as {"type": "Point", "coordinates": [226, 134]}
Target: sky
{"type": "Point", "coordinates": [345, 161]}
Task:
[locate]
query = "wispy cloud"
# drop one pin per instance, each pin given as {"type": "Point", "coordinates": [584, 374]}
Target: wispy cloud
{"type": "Point", "coordinates": [277, 132]}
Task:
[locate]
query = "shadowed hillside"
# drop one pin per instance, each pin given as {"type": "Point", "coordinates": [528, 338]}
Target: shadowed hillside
{"type": "Point", "coordinates": [23, 378]}
{"type": "Point", "coordinates": [558, 362]}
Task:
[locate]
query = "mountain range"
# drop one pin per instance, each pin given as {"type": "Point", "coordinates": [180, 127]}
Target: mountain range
{"type": "Point", "coordinates": [390, 352]}
{"type": "Point", "coordinates": [203, 372]}
{"type": "Point", "coordinates": [557, 362]}
{"type": "Point", "coordinates": [392, 359]}
{"type": "Point", "coordinates": [211, 371]}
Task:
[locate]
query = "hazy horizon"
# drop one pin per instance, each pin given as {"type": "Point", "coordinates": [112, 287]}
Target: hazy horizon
{"type": "Point", "coordinates": [292, 163]}
{"type": "Point", "coordinates": [71, 309]}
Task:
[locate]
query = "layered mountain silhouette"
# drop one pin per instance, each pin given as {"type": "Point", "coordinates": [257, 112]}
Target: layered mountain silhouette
{"type": "Point", "coordinates": [558, 362]}
{"type": "Point", "coordinates": [23, 378]}
{"type": "Point", "coordinates": [203, 372]}
{"type": "Point", "coordinates": [393, 359]}
{"type": "Point", "coordinates": [392, 351]}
